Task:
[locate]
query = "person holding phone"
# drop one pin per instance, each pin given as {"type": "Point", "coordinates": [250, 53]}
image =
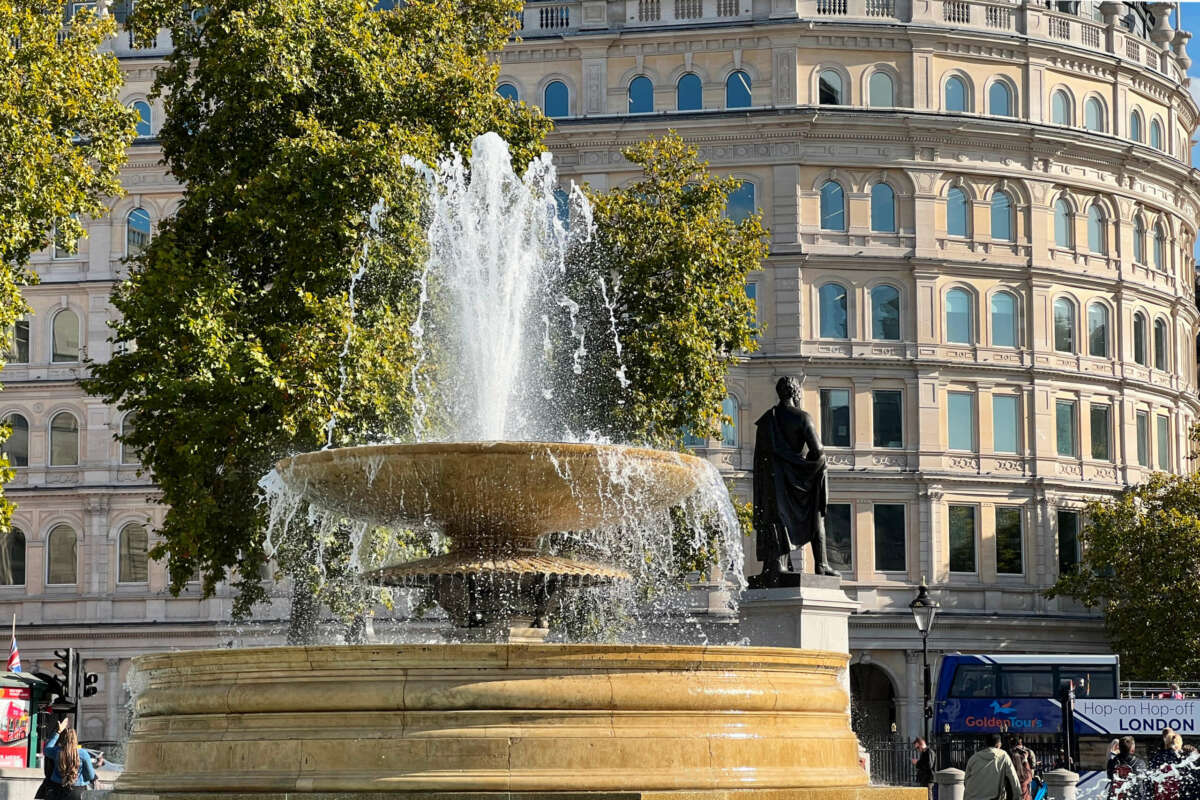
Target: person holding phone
{"type": "Point", "coordinates": [73, 769]}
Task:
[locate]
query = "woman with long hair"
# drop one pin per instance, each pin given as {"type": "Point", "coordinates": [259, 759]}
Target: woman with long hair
{"type": "Point", "coordinates": [73, 769]}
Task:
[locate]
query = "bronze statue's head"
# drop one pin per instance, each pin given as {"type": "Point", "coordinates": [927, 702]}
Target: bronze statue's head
{"type": "Point", "coordinates": [788, 388]}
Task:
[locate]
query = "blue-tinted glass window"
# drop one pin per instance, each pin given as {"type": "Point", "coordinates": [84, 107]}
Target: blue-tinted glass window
{"type": "Point", "coordinates": [1156, 135]}
{"type": "Point", "coordinates": [958, 317]}
{"type": "Point", "coordinates": [1163, 431]}
{"type": "Point", "coordinates": [1098, 330]}
{"type": "Point", "coordinates": [833, 311]}
{"type": "Point", "coordinates": [689, 93]}
{"type": "Point", "coordinates": [960, 421]}
{"type": "Point", "coordinates": [384, 5]}
{"type": "Point", "coordinates": [829, 88]}
{"type": "Point", "coordinates": [1064, 427]}
{"type": "Point", "coordinates": [690, 439]}
{"type": "Point", "coordinates": [1002, 217]}
{"type": "Point", "coordinates": [1160, 248]}
{"type": "Point", "coordinates": [1064, 325]}
{"type": "Point", "coordinates": [835, 417]}
{"type": "Point", "coordinates": [641, 95]}
{"type": "Point", "coordinates": [1004, 320]}
{"type": "Point", "coordinates": [1135, 126]}
{"type": "Point", "coordinates": [137, 231]}
{"type": "Point", "coordinates": [729, 408]}
{"type": "Point", "coordinates": [1139, 338]}
{"type": "Point", "coordinates": [737, 90]}
{"type": "Point", "coordinates": [833, 207]}
{"type": "Point", "coordinates": [752, 294]}
{"type": "Point", "coordinates": [890, 539]}
{"type": "Point", "coordinates": [883, 208]}
{"type": "Point", "coordinates": [956, 94]}
{"type": "Point", "coordinates": [1143, 439]}
{"type": "Point", "coordinates": [1000, 100]}
{"type": "Point", "coordinates": [1093, 115]}
{"type": "Point", "coordinates": [1005, 423]}
{"type": "Point", "coordinates": [882, 90]}
{"type": "Point", "coordinates": [1062, 223]}
{"type": "Point", "coordinates": [556, 101]}
{"type": "Point", "coordinates": [507, 91]}
{"type": "Point", "coordinates": [1096, 238]}
{"type": "Point", "coordinates": [1139, 240]}
{"type": "Point", "coordinates": [1160, 344]}
{"type": "Point", "coordinates": [144, 126]}
{"type": "Point", "coordinates": [885, 313]}
{"type": "Point", "coordinates": [739, 203]}
{"type": "Point", "coordinates": [956, 212]}
{"type": "Point", "coordinates": [1060, 108]}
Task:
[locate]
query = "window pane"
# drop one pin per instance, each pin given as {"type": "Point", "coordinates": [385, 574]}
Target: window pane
{"type": "Point", "coordinates": [960, 420]}
{"type": "Point", "coordinates": [1143, 439]}
{"type": "Point", "coordinates": [889, 419]}
{"type": "Point", "coordinates": [1098, 330]}
{"type": "Point", "coordinates": [1004, 320]}
{"type": "Point", "coordinates": [16, 446]}
{"type": "Point", "coordinates": [1062, 223]}
{"type": "Point", "coordinates": [833, 311]}
{"type": "Point", "coordinates": [956, 213]}
{"type": "Point", "coordinates": [1156, 135]}
{"type": "Point", "coordinates": [1005, 423]}
{"type": "Point", "coordinates": [740, 204]}
{"type": "Point", "coordinates": [833, 207]}
{"type": "Point", "coordinates": [16, 345]}
{"type": "Point", "coordinates": [1135, 126]}
{"type": "Point", "coordinates": [838, 541]}
{"type": "Point", "coordinates": [1064, 325]}
{"type": "Point", "coordinates": [1008, 541]}
{"type": "Point", "coordinates": [1064, 425]}
{"type": "Point", "coordinates": [881, 91]}
{"type": "Point", "coordinates": [974, 681]}
{"type": "Point", "coordinates": [1068, 542]}
{"type": "Point", "coordinates": [61, 557]}
{"type": "Point", "coordinates": [137, 231]}
{"type": "Point", "coordinates": [12, 558]}
{"type": "Point", "coordinates": [1101, 424]}
{"type": "Point", "coordinates": [1060, 109]}
{"type": "Point", "coordinates": [1139, 241]}
{"type": "Point", "coordinates": [132, 558]}
{"type": "Point", "coordinates": [689, 94]}
{"type": "Point", "coordinates": [729, 408]}
{"type": "Point", "coordinates": [1096, 237]}
{"type": "Point", "coordinates": [66, 337]}
{"type": "Point", "coordinates": [1002, 217]}
{"type": "Point", "coordinates": [962, 538]}
{"type": "Point", "coordinates": [889, 538]}
{"type": "Point", "coordinates": [1163, 442]}
{"type": "Point", "coordinates": [1000, 100]}
{"type": "Point", "coordinates": [883, 208]}
{"type": "Point", "coordinates": [1159, 249]}
{"type": "Point", "coordinates": [835, 417]}
{"type": "Point", "coordinates": [737, 90]}
{"type": "Point", "coordinates": [1093, 115]}
{"type": "Point", "coordinates": [956, 94]}
{"type": "Point", "coordinates": [1139, 339]}
{"type": "Point", "coordinates": [507, 91]}
{"type": "Point", "coordinates": [1160, 344]}
{"type": "Point", "coordinates": [129, 454]}
{"type": "Point", "coordinates": [555, 100]}
{"type": "Point", "coordinates": [641, 95]}
{"type": "Point", "coordinates": [830, 88]}
{"type": "Point", "coordinates": [64, 441]}
{"type": "Point", "coordinates": [752, 294]}
{"type": "Point", "coordinates": [958, 317]}
{"type": "Point", "coordinates": [885, 313]}
{"type": "Point", "coordinates": [144, 128]}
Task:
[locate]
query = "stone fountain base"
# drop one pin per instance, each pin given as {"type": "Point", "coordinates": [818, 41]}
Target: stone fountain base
{"type": "Point", "coordinates": [539, 721]}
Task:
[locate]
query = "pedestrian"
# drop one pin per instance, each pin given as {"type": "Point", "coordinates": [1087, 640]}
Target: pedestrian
{"type": "Point", "coordinates": [1163, 755]}
{"type": "Point", "coordinates": [1167, 778]}
{"type": "Point", "coordinates": [1172, 693]}
{"type": "Point", "coordinates": [1024, 763]}
{"type": "Point", "coordinates": [924, 762]}
{"type": "Point", "coordinates": [991, 775]}
{"type": "Point", "coordinates": [1126, 772]}
{"type": "Point", "coordinates": [73, 768]}
{"type": "Point", "coordinates": [1189, 774]}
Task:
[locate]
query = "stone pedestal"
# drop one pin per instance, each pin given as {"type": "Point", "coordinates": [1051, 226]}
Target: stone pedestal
{"type": "Point", "coordinates": [1060, 784]}
{"type": "Point", "coordinates": [812, 616]}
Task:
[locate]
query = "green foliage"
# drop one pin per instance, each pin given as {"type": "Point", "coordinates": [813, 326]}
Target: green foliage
{"type": "Point", "coordinates": [63, 136]}
{"type": "Point", "coordinates": [287, 120]}
{"type": "Point", "coordinates": [1141, 564]}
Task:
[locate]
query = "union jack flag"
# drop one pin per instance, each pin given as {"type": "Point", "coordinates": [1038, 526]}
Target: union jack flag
{"type": "Point", "coordinates": [14, 655]}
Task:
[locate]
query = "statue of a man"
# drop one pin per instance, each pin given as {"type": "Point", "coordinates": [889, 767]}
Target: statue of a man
{"type": "Point", "coordinates": [790, 489]}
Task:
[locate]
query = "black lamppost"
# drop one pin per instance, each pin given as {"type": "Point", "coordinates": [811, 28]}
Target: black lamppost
{"type": "Point", "coordinates": [924, 609]}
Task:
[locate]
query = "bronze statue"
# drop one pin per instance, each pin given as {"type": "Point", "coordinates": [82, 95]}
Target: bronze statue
{"type": "Point", "coordinates": [791, 492]}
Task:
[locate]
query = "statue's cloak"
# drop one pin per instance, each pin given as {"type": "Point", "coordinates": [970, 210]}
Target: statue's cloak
{"type": "Point", "coordinates": [789, 492]}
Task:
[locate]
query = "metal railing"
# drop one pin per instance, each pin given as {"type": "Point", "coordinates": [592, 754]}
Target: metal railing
{"type": "Point", "coordinates": [1154, 689]}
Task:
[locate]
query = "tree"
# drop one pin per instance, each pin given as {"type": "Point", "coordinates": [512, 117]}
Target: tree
{"type": "Point", "coordinates": [245, 332]}
{"type": "Point", "coordinates": [1141, 565]}
{"type": "Point", "coordinates": [63, 136]}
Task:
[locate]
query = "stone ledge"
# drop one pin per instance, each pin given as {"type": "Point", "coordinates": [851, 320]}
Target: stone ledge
{"type": "Point", "coordinates": [849, 793]}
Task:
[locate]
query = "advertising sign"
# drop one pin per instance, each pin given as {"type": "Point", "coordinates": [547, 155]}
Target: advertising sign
{"type": "Point", "coordinates": [997, 716]}
{"type": "Point", "coordinates": [1136, 717]}
{"type": "Point", "coordinates": [15, 721]}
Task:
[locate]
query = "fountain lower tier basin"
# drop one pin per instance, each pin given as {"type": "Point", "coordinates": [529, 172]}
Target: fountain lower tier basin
{"type": "Point", "coordinates": [536, 721]}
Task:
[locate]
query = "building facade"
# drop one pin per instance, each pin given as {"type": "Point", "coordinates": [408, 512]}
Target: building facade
{"type": "Point", "coordinates": [982, 219]}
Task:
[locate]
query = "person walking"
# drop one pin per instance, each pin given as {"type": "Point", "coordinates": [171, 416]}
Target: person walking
{"type": "Point", "coordinates": [73, 769]}
{"type": "Point", "coordinates": [924, 762]}
{"type": "Point", "coordinates": [991, 775]}
{"type": "Point", "coordinates": [1024, 763]}
{"type": "Point", "coordinates": [1126, 772]}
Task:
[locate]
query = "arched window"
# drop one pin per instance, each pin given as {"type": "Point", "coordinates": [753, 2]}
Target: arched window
{"type": "Point", "coordinates": [881, 90]}
{"type": "Point", "coordinates": [833, 207]}
{"type": "Point", "coordinates": [1062, 223]}
{"type": "Point", "coordinates": [65, 336]}
{"type": "Point", "coordinates": [1060, 108]}
{"type": "Point", "coordinates": [956, 212]}
{"type": "Point", "coordinates": [641, 95]}
{"type": "Point", "coordinates": [1139, 338]}
{"type": "Point", "coordinates": [61, 556]}
{"type": "Point", "coordinates": [556, 100]}
{"type": "Point", "coordinates": [132, 544]}
{"type": "Point", "coordinates": [1000, 99]}
{"type": "Point", "coordinates": [958, 317]}
{"type": "Point", "coordinates": [737, 90]}
{"type": "Point", "coordinates": [1139, 240]}
{"type": "Point", "coordinates": [833, 311]}
{"type": "Point", "coordinates": [1160, 248]}
{"type": "Point", "coordinates": [1064, 325]}
{"type": "Point", "coordinates": [729, 434]}
{"type": "Point", "coordinates": [1135, 126]}
{"type": "Point", "coordinates": [885, 313]}
{"type": "Point", "coordinates": [508, 92]}
{"type": "Point", "coordinates": [129, 453]}
{"type": "Point", "coordinates": [1004, 320]}
{"type": "Point", "coordinates": [1002, 217]}
{"type": "Point", "coordinates": [64, 440]}
{"type": "Point", "coordinates": [144, 126]}
{"type": "Point", "coordinates": [739, 203]}
{"type": "Point", "coordinates": [12, 558]}
{"type": "Point", "coordinates": [137, 231]}
{"type": "Point", "coordinates": [883, 208]}
{"type": "Point", "coordinates": [956, 94]}
{"type": "Point", "coordinates": [16, 446]}
{"type": "Point", "coordinates": [1156, 134]}
{"type": "Point", "coordinates": [1160, 344]}
{"type": "Point", "coordinates": [829, 88]}
{"type": "Point", "coordinates": [1093, 115]}
{"type": "Point", "coordinates": [689, 93]}
{"type": "Point", "coordinates": [1097, 241]}
{"type": "Point", "coordinates": [1098, 330]}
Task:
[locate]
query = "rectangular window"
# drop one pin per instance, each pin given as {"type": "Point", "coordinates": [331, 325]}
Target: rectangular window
{"type": "Point", "coordinates": [835, 417]}
{"type": "Point", "coordinates": [16, 344]}
{"type": "Point", "coordinates": [1143, 439]}
{"type": "Point", "coordinates": [1101, 432]}
{"type": "Point", "coordinates": [889, 538]}
{"type": "Point", "coordinates": [752, 293]}
{"type": "Point", "coordinates": [960, 420]}
{"type": "Point", "coordinates": [1008, 541]}
{"type": "Point", "coordinates": [1163, 442]}
{"type": "Point", "coordinates": [1005, 423]}
{"type": "Point", "coordinates": [1068, 542]}
{"type": "Point", "coordinates": [1064, 425]}
{"type": "Point", "coordinates": [889, 419]}
{"type": "Point", "coordinates": [962, 538]}
{"type": "Point", "coordinates": [838, 537]}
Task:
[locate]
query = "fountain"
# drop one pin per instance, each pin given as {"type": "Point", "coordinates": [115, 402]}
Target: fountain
{"type": "Point", "coordinates": [497, 708]}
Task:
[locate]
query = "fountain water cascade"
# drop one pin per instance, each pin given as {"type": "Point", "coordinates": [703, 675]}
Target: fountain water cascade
{"type": "Point", "coordinates": [501, 710]}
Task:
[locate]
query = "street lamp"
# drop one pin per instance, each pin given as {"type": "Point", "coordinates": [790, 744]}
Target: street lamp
{"type": "Point", "coordinates": [924, 609]}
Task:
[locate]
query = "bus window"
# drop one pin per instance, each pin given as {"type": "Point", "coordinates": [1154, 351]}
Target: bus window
{"type": "Point", "coordinates": [972, 680]}
{"type": "Point", "coordinates": [1026, 682]}
{"type": "Point", "coordinates": [1089, 682]}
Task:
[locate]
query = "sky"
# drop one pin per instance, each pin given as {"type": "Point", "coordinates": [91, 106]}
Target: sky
{"type": "Point", "coordinates": [1189, 20]}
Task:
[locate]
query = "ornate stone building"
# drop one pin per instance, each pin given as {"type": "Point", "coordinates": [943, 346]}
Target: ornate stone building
{"type": "Point", "coordinates": [982, 220]}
